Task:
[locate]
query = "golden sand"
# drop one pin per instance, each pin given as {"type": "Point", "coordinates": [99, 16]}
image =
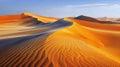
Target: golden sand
{"type": "Point", "coordinates": [83, 44]}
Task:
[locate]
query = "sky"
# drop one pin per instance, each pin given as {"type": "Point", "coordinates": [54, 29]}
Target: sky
{"type": "Point", "coordinates": [62, 8]}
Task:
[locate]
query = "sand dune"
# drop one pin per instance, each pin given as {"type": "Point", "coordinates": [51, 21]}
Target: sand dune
{"type": "Point", "coordinates": [42, 18]}
{"type": "Point", "coordinates": [97, 20]}
{"type": "Point", "coordinates": [31, 41]}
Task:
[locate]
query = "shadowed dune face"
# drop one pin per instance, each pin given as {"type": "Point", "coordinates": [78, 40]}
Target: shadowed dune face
{"type": "Point", "coordinates": [32, 41]}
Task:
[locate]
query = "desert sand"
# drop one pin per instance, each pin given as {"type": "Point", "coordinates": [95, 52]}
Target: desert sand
{"type": "Point", "coordinates": [30, 40]}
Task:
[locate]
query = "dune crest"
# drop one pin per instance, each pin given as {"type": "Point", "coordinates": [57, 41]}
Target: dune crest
{"type": "Point", "coordinates": [41, 18]}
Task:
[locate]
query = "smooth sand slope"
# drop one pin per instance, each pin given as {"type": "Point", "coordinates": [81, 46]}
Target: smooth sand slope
{"type": "Point", "coordinates": [30, 41]}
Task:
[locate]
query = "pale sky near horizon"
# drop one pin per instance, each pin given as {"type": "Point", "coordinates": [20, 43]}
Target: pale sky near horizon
{"type": "Point", "coordinates": [62, 8]}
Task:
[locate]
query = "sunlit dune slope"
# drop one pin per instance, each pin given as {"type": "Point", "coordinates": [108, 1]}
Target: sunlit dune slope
{"type": "Point", "coordinates": [63, 43]}
{"type": "Point", "coordinates": [102, 35]}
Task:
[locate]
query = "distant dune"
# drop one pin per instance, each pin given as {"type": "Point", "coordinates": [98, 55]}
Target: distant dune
{"type": "Point", "coordinates": [30, 40]}
{"type": "Point", "coordinates": [98, 20]}
{"type": "Point", "coordinates": [86, 18]}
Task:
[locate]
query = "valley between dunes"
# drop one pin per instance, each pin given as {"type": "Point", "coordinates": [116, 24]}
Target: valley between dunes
{"type": "Point", "coordinates": [29, 40]}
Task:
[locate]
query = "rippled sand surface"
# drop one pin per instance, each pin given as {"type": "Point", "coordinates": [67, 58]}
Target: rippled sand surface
{"type": "Point", "coordinates": [54, 42]}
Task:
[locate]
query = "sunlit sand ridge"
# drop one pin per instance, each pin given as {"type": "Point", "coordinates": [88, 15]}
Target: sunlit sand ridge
{"type": "Point", "coordinates": [54, 42]}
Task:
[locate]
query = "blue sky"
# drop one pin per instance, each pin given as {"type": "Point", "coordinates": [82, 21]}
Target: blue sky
{"type": "Point", "coordinates": [62, 8]}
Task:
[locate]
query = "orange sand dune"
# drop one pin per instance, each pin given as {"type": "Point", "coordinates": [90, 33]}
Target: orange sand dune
{"type": "Point", "coordinates": [24, 18]}
{"type": "Point", "coordinates": [64, 43]}
{"type": "Point", "coordinates": [9, 18]}
{"type": "Point", "coordinates": [96, 25]}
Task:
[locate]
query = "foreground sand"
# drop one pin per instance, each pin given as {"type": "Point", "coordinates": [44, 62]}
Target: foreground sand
{"type": "Point", "coordinates": [64, 43]}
